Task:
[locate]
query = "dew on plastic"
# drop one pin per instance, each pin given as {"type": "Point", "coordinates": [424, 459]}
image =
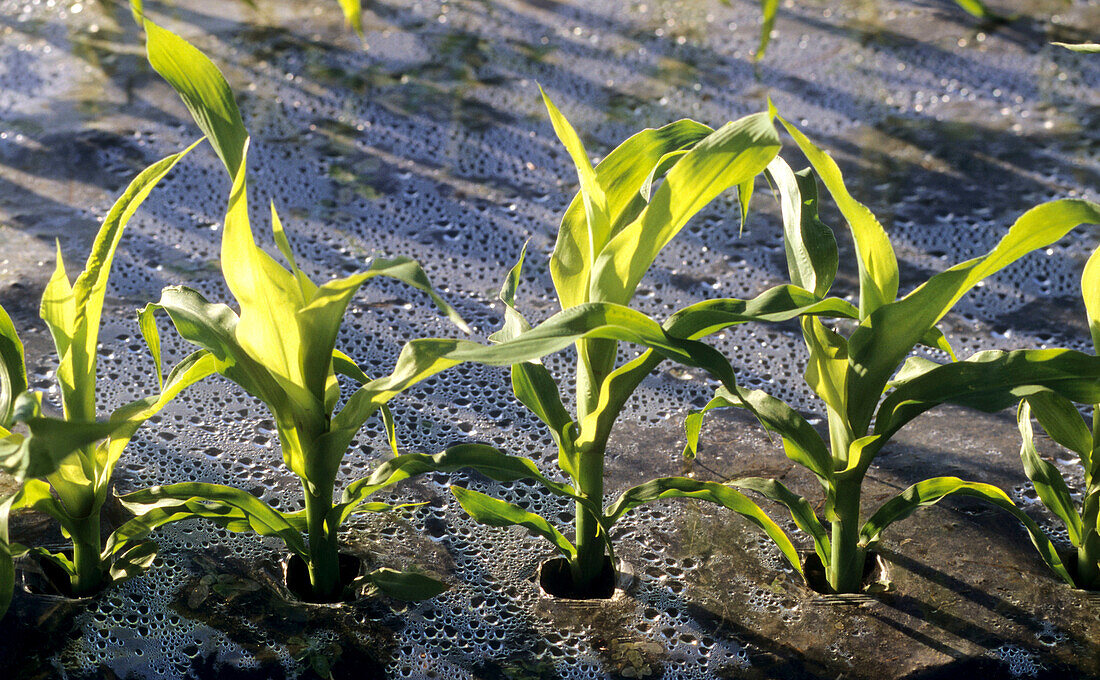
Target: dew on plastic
{"type": "Point", "coordinates": [431, 142]}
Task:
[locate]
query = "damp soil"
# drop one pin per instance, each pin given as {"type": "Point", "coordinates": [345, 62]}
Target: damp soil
{"type": "Point", "coordinates": [428, 140]}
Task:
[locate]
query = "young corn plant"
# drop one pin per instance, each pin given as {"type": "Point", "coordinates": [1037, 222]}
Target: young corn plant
{"type": "Point", "coordinates": [851, 374]}
{"type": "Point", "coordinates": [280, 349]}
{"type": "Point", "coordinates": [1064, 424]}
{"type": "Point", "coordinates": [628, 208]}
{"type": "Point", "coordinates": [769, 9]}
{"type": "Point", "coordinates": [66, 464]}
{"type": "Point", "coordinates": [352, 10]}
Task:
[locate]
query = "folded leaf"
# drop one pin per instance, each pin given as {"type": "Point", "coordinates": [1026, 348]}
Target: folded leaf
{"type": "Point", "coordinates": [48, 441]}
{"type": "Point", "coordinates": [878, 266]}
{"type": "Point", "coordinates": [73, 312]}
{"type": "Point", "coordinates": [1090, 291]}
{"type": "Point", "coordinates": [801, 512]}
{"type": "Point", "coordinates": [480, 457]}
{"type": "Point", "coordinates": [13, 370]}
{"type": "Point", "coordinates": [721, 494]}
{"type": "Point", "coordinates": [991, 381]}
{"type": "Point", "coordinates": [810, 246]}
{"type": "Point", "coordinates": [727, 157]}
{"type": "Point", "coordinates": [406, 585]}
{"type": "Point", "coordinates": [1048, 482]}
{"type": "Point", "coordinates": [621, 174]}
{"type": "Point", "coordinates": [931, 491]}
{"type": "Point", "coordinates": [884, 338]}
{"type": "Point", "coordinates": [498, 513]}
{"type": "Point", "coordinates": [204, 91]}
{"type": "Point", "coordinates": [230, 508]}
{"type": "Point", "coordinates": [597, 217]}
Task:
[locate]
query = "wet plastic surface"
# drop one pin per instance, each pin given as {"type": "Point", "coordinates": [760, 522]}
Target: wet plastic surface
{"type": "Point", "coordinates": [431, 141]}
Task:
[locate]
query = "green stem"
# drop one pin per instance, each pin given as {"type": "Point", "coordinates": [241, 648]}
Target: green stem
{"type": "Point", "coordinates": [846, 560]}
{"type": "Point", "coordinates": [1088, 568]}
{"type": "Point", "coordinates": [595, 360]}
{"type": "Point", "coordinates": [590, 546]}
{"type": "Point", "coordinates": [324, 554]}
{"type": "Point", "coordinates": [90, 576]}
{"type": "Point", "coordinates": [845, 568]}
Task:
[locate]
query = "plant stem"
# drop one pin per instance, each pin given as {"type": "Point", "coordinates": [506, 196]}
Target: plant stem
{"type": "Point", "coordinates": [90, 575]}
{"type": "Point", "coordinates": [845, 568]}
{"type": "Point", "coordinates": [595, 359]}
{"type": "Point", "coordinates": [324, 556]}
{"type": "Point", "coordinates": [846, 559]}
{"type": "Point", "coordinates": [590, 547]}
{"type": "Point", "coordinates": [1088, 568]}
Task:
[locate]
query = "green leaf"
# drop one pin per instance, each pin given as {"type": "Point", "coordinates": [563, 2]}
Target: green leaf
{"type": "Point", "coordinates": [73, 312]}
{"type": "Point", "coordinates": [878, 266]}
{"type": "Point", "coordinates": [423, 358]}
{"type": "Point", "coordinates": [13, 370]}
{"type": "Point", "coordinates": [801, 442]}
{"type": "Point", "coordinates": [810, 246]}
{"type": "Point", "coordinates": [37, 495]}
{"type": "Point", "coordinates": [1048, 482]}
{"type": "Point", "coordinates": [621, 174]}
{"type": "Point", "coordinates": [191, 369]}
{"type": "Point", "coordinates": [777, 304]}
{"type": "Point", "coordinates": [991, 381]}
{"type": "Point", "coordinates": [884, 338]}
{"type": "Point", "coordinates": [661, 169]}
{"type": "Point", "coordinates": [137, 11]}
{"type": "Point", "coordinates": [975, 8]}
{"type": "Point", "coordinates": [1063, 422]}
{"type": "Point", "coordinates": [132, 560]}
{"type": "Point", "coordinates": [213, 327]}
{"type": "Point", "coordinates": [721, 494]}
{"type": "Point", "coordinates": [596, 213]}
{"type": "Point", "coordinates": [827, 369]}
{"type": "Point", "coordinates": [204, 91]}
{"type": "Point", "coordinates": [48, 443]}
{"type": "Point", "coordinates": [514, 323]}
{"type": "Point", "coordinates": [693, 422]}
{"type": "Point", "coordinates": [270, 298]}
{"type": "Point", "coordinates": [353, 15]}
{"type": "Point", "coordinates": [531, 382]}
{"type": "Point", "coordinates": [744, 197]}
{"type": "Point", "coordinates": [769, 9]}
{"type": "Point", "coordinates": [480, 457]}
{"type": "Point", "coordinates": [1088, 48]}
{"type": "Point", "coordinates": [230, 508]}
{"type": "Point", "coordinates": [498, 513]}
{"type": "Point", "coordinates": [931, 491]}
{"type": "Point", "coordinates": [320, 318]}
{"type": "Point", "coordinates": [147, 323]}
{"type": "Point", "coordinates": [407, 586]}
{"type": "Point", "coordinates": [1090, 291]}
{"type": "Point", "coordinates": [801, 512]}
{"type": "Point", "coordinates": [7, 564]}
{"type": "Point", "coordinates": [727, 157]}
{"type": "Point", "coordinates": [781, 303]}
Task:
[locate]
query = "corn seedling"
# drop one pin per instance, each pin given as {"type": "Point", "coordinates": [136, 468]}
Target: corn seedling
{"type": "Point", "coordinates": [851, 374]}
{"type": "Point", "coordinates": [67, 463]}
{"type": "Point", "coordinates": [769, 9]}
{"type": "Point", "coordinates": [352, 10]}
{"type": "Point", "coordinates": [628, 208]}
{"type": "Point", "coordinates": [1064, 424]}
{"type": "Point", "coordinates": [280, 349]}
